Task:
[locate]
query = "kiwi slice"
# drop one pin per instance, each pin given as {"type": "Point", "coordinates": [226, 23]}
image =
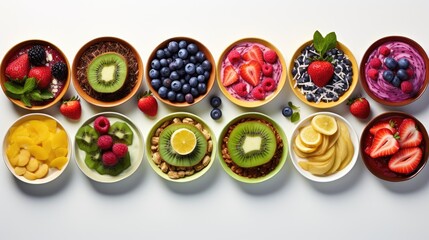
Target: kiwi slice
{"type": "Point", "coordinates": [107, 72]}
{"type": "Point", "coordinates": [251, 144]}
{"type": "Point", "coordinates": [121, 132]}
{"type": "Point", "coordinates": [123, 164]}
{"type": "Point", "coordinates": [170, 156]}
{"type": "Point", "coordinates": [93, 159]}
{"type": "Point", "coordinates": [86, 139]}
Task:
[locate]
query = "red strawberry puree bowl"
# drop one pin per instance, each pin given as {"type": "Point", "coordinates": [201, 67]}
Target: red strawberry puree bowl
{"type": "Point", "coordinates": [251, 72]}
{"type": "Point", "coordinates": [47, 61]}
{"type": "Point", "coordinates": [404, 135]}
{"type": "Point", "coordinates": [394, 71]}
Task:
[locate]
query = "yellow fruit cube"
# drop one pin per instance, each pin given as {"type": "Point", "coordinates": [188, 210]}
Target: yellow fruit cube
{"type": "Point", "coordinates": [23, 158]}
{"type": "Point", "coordinates": [38, 152]}
{"type": "Point", "coordinates": [23, 141]}
{"type": "Point", "coordinates": [30, 176]}
{"type": "Point", "coordinates": [51, 124]}
{"type": "Point", "coordinates": [20, 171]}
{"type": "Point", "coordinates": [59, 140]}
{"type": "Point", "coordinates": [42, 171]}
{"type": "Point", "coordinates": [61, 152]}
{"type": "Point", "coordinates": [33, 165]}
{"type": "Point", "coordinates": [58, 162]}
{"type": "Point", "coordinates": [38, 130]}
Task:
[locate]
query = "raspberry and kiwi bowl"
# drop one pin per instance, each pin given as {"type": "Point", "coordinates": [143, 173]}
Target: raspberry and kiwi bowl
{"type": "Point", "coordinates": [180, 71]}
{"type": "Point", "coordinates": [35, 74]}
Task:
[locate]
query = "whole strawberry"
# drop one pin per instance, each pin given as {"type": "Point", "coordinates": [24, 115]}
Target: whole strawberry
{"type": "Point", "coordinates": [359, 107]}
{"type": "Point", "coordinates": [148, 104]}
{"type": "Point", "coordinates": [18, 69]}
{"type": "Point", "coordinates": [71, 108]}
{"type": "Point", "coordinates": [42, 75]}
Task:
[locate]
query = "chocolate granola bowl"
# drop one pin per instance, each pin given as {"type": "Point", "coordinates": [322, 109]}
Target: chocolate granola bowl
{"type": "Point", "coordinates": [107, 71]}
{"type": "Point", "coordinates": [252, 148]}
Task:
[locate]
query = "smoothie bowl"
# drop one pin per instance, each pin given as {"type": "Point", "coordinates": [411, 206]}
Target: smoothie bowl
{"type": "Point", "coordinates": [35, 74]}
{"type": "Point", "coordinates": [251, 72]}
{"type": "Point", "coordinates": [394, 71]}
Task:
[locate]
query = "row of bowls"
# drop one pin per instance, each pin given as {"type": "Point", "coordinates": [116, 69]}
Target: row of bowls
{"type": "Point", "coordinates": [214, 73]}
{"type": "Point", "coordinates": [378, 170]}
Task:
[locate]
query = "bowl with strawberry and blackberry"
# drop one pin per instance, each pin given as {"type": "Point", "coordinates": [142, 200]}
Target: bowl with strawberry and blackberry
{"type": "Point", "coordinates": [394, 146]}
{"type": "Point", "coordinates": [35, 74]}
{"type": "Point", "coordinates": [323, 72]}
{"type": "Point", "coordinates": [251, 72]}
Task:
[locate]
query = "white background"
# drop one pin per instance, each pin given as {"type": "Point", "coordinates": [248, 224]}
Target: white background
{"type": "Point", "coordinates": [144, 206]}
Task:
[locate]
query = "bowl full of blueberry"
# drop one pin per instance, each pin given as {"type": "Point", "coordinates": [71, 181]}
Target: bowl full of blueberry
{"type": "Point", "coordinates": [180, 71]}
{"type": "Point", "coordinates": [35, 74]}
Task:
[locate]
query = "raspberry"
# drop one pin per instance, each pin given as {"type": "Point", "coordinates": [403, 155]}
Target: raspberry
{"type": "Point", "coordinates": [59, 71]}
{"type": "Point", "coordinates": [268, 84]}
{"type": "Point", "coordinates": [105, 142]}
{"type": "Point", "coordinates": [120, 149]}
{"type": "Point", "coordinates": [37, 55]}
{"type": "Point", "coordinates": [234, 56]}
{"type": "Point", "coordinates": [240, 89]}
{"type": "Point", "coordinates": [102, 124]}
{"type": "Point", "coordinates": [109, 159]}
{"type": "Point", "coordinates": [270, 56]}
{"type": "Point", "coordinates": [410, 72]}
{"type": "Point", "coordinates": [267, 70]}
{"type": "Point", "coordinates": [375, 63]}
{"type": "Point", "coordinates": [407, 87]}
{"type": "Point", "coordinates": [373, 74]}
{"type": "Point", "coordinates": [385, 51]}
{"type": "Point", "coordinates": [258, 93]}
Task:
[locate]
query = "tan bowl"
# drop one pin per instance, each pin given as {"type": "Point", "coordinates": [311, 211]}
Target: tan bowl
{"type": "Point", "coordinates": [256, 103]}
{"type": "Point", "coordinates": [323, 105]}
{"type": "Point", "coordinates": [13, 52]}
{"type": "Point", "coordinates": [100, 102]}
{"type": "Point", "coordinates": [377, 44]}
{"type": "Point", "coordinates": [201, 47]}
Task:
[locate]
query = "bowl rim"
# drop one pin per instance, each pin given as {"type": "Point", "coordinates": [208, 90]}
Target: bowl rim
{"type": "Point", "coordinates": [376, 119]}
{"type": "Point", "coordinates": [46, 179]}
{"type": "Point", "coordinates": [338, 175]}
{"type": "Point", "coordinates": [375, 45]}
{"type": "Point", "coordinates": [89, 98]}
{"type": "Point", "coordinates": [346, 95]}
{"type": "Point", "coordinates": [156, 169]}
{"type": "Point", "coordinates": [209, 57]}
{"type": "Point", "coordinates": [284, 155]}
{"type": "Point", "coordinates": [254, 104]}
{"type": "Point", "coordinates": [135, 165]}
{"type": "Point", "coordinates": [12, 51]}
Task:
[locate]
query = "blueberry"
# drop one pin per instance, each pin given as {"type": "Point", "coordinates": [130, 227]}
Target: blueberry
{"type": "Point", "coordinates": [172, 66]}
{"type": "Point", "coordinates": [173, 46]}
{"type": "Point", "coordinates": [403, 63]}
{"type": "Point", "coordinates": [388, 75]}
{"type": "Point", "coordinates": [174, 75]}
{"type": "Point", "coordinates": [193, 81]}
{"type": "Point", "coordinates": [202, 88]}
{"type": "Point", "coordinates": [176, 85]}
{"type": "Point", "coordinates": [156, 83]}
{"type": "Point", "coordinates": [287, 111]}
{"type": "Point", "coordinates": [194, 92]}
{"type": "Point", "coordinates": [187, 77]}
{"type": "Point", "coordinates": [199, 70]}
{"type": "Point", "coordinates": [402, 74]}
{"type": "Point", "coordinates": [155, 64]}
{"type": "Point", "coordinates": [165, 71]}
{"type": "Point", "coordinates": [390, 63]}
{"type": "Point", "coordinates": [153, 73]}
{"type": "Point", "coordinates": [171, 95]}
{"type": "Point", "coordinates": [181, 72]}
{"type": "Point", "coordinates": [163, 62]}
{"type": "Point", "coordinates": [396, 81]}
{"type": "Point", "coordinates": [216, 113]}
{"type": "Point", "coordinates": [162, 92]}
{"type": "Point", "coordinates": [200, 56]}
{"type": "Point", "coordinates": [206, 65]}
{"type": "Point", "coordinates": [309, 97]}
{"type": "Point", "coordinates": [160, 54]}
{"type": "Point", "coordinates": [338, 69]}
{"type": "Point", "coordinates": [215, 101]}
{"type": "Point", "coordinates": [169, 60]}
{"type": "Point", "coordinates": [166, 83]}
{"type": "Point", "coordinates": [180, 97]}
{"type": "Point", "coordinates": [201, 79]}
{"type": "Point", "coordinates": [179, 63]}
{"type": "Point", "coordinates": [182, 81]}
{"type": "Point", "coordinates": [189, 98]}
{"type": "Point", "coordinates": [294, 71]}
{"type": "Point", "coordinates": [183, 53]}
{"type": "Point", "coordinates": [207, 75]}
{"type": "Point", "coordinates": [190, 68]}
{"type": "Point", "coordinates": [192, 48]}
{"type": "Point", "coordinates": [167, 53]}
{"type": "Point", "coordinates": [186, 88]}
{"type": "Point", "coordinates": [193, 59]}
{"type": "Point", "coordinates": [183, 44]}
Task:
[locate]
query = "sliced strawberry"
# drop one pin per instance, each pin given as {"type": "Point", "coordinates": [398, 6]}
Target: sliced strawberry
{"type": "Point", "coordinates": [406, 160]}
{"type": "Point", "coordinates": [384, 144]}
{"type": "Point", "coordinates": [251, 72]}
{"type": "Point", "coordinates": [230, 76]}
{"type": "Point", "coordinates": [389, 125]}
{"type": "Point", "coordinates": [409, 135]}
{"type": "Point", "coordinates": [254, 53]}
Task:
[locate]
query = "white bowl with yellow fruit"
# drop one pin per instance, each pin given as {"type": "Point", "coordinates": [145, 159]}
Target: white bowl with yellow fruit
{"type": "Point", "coordinates": [36, 148]}
{"type": "Point", "coordinates": [324, 147]}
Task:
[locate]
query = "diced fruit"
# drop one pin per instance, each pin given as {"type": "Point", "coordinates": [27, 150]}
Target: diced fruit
{"type": "Point", "coordinates": [321, 72]}
{"type": "Point", "coordinates": [270, 56]}
{"type": "Point", "coordinates": [324, 124]}
{"type": "Point", "coordinates": [18, 69]}
{"type": "Point", "coordinates": [42, 75]}
{"type": "Point", "coordinates": [406, 160]}
{"type": "Point", "coordinates": [409, 135]}
{"type": "Point", "coordinates": [251, 72]}
{"type": "Point", "coordinates": [58, 162]}
{"type": "Point", "coordinates": [359, 107]}
{"type": "Point", "coordinates": [255, 54]}
{"type": "Point", "coordinates": [389, 125]}
{"type": "Point", "coordinates": [234, 56]}
{"type": "Point", "coordinates": [385, 143]}
{"type": "Point", "coordinates": [230, 76]}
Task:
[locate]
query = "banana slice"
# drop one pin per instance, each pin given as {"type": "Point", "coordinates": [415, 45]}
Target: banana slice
{"type": "Point", "coordinates": [349, 147]}
{"type": "Point", "coordinates": [317, 168]}
{"type": "Point", "coordinates": [301, 146]}
{"type": "Point", "coordinates": [324, 157]}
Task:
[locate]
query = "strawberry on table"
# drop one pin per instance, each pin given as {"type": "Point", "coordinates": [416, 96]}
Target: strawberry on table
{"type": "Point", "coordinates": [148, 104]}
{"type": "Point", "coordinates": [251, 72]}
{"type": "Point", "coordinates": [409, 135]}
{"type": "Point", "coordinates": [18, 69]}
{"type": "Point", "coordinates": [359, 107]}
{"type": "Point", "coordinates": [385, 143]}
{"type": "Point", "coordinates": [230, 76]}
{"type": "Point", "coordinates": [406, 160]}
{"type": "Point", "coordinates": [71, 108]}
{"type": "Point", "coordinates": [42, 75]}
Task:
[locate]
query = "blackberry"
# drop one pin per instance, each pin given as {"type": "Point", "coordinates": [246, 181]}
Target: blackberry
{"type": "Point", "coordinates": [37, 55]}
{"type": "Point", "coordinates": [59, 71]}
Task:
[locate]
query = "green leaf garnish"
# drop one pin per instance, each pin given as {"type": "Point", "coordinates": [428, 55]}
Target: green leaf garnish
{"type": "Point", "coordinates": [26, 100]}
{"type": "Point", "coordinates": [46, 95]}
{"type": "Point", "coordinates": [295, 117]}
{"type": "Point", "coordinates": [27, 92]}
{"type": "Point", "coordinates": [295, 108]}
{"type": "Point", "coordinates": [35, 95]}
{"type": "Point", "coordinates": [324, 44]}
{"type": "Point", "coordinates": [30, 84]}
{"type": "Point", "coordinates": [14, 88]}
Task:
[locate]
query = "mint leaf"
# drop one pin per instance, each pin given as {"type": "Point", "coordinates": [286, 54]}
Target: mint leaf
{"type": "Point", "coordinates": [14, 88]}
{"type": "Point", "coordinates": [295, 108]}
{"type": "Point", "coordinates": [13, 95]}
{"type": "Point", "coordinates": [295, 117]}
{"type": "Point", "coordinates": [30, 84]}
{"type": "Point", "coordinates": [318, 41]}
{"type": "Point", "coordinates": [45, 95]}
{"type": "Point", "coordinates": [331, 40]}
{"type": "Point", "coordinates": [35, 95]}
{"type": "Point", "coordinates": [324, 44]}
{"type": "Point", "coordinates": [26, 100]}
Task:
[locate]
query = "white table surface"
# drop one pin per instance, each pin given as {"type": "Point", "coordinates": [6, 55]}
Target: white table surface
{"type": "Point", "coordinates": [145, 206]}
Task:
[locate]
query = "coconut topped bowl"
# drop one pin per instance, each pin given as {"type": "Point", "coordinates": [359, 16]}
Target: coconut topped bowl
{"type": "Point", "coordinates": [323, 92]}
{"type": "Point", "coordinates": [394, 71]}
{"type": "Point", "coordinates": [35, 74]}
{"type": "Point", "coordinates": [251, 72]}
{"type": "Point", "coordinates": [180, 71]}
{"type": "Point", "coordinates": [107, 71]}
{"type": "Point", "coordinates": [405, 152]}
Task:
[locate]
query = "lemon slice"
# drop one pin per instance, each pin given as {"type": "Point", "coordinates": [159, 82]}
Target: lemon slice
{"type": "Point", "coordinates": [324, 124]}
{"type": "Point", "coordinates": [183, 141]}
{"type": "Point", "coordinates": [310, 137]}
{"type": "Point", "coordinates": [301, 146]}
